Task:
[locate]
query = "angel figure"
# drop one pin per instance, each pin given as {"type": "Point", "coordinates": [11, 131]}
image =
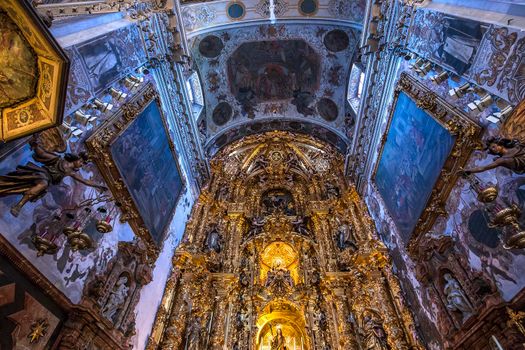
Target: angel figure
{"type": "Point", "coordinates": [32, 181]}
{"type": "Point", "coordinates": [511, 155]}
{"type": "Point", "coordinates": [509, 146]}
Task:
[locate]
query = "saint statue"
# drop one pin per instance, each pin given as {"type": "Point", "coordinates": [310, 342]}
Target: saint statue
{"type": "Point", "coordinates": [116, 298]}
{"type": "Point", "coordinates": [332, 191]}
{"type": "Point", "coordinates": [278, 341]}
{"type": "Point", "coordinates": [194, 334]}
{"type": "Point", "coordinates": [32, 180]}
{"type": "Point", "coordinates": [213, 241]}
{"type": "Point", "coordinates": [374, 334]}
{"type": "Point", "coordinates": [300, 225]}
{"type": "Point", "coordinates": [511, 156]}
{"type": "Point", "coordinates": [456, 298]}
{"type": "Point", "coordinates": [256, 226]}
{"type": "Point", "coordinates": [345, 236]}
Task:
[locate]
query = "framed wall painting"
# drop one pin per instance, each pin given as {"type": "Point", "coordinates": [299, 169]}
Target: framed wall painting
{"type": "Point", "coordinates": [34, 70]}
{"type": "Point", "coordinates": [427, 142]}
{"type": "Point", "coordinates": [136, 157]}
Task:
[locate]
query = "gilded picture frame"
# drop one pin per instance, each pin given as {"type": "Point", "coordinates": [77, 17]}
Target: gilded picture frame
{"type": "Point", "coordinates": [42, 105]}
{"type": "Point", "coordinates": [464, 135]}
{"type": "Point", "coordinates": [101, 147]}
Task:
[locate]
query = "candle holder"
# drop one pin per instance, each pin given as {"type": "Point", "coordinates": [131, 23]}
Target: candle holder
{"type": "Point", "coordinates": [78, 240]}
{"type": "Point", "coordinates": [43, 245]}
{"type": "Point", "coordinates": [485, 193]}
{"type": "Point", "coordinates": [44, 240]}
{"type": "Point", "coordinates": [508, 217]}
{"type": "Point", "coordinates": [76, 237]}
{"type": "Point", "coordinates": [504, 216]}
{"type": "Point", "coordinates": [104, 223]}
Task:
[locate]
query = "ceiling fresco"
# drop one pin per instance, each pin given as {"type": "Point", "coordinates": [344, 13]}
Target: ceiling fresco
{"type": "Point", "coordinates": [275, 72]}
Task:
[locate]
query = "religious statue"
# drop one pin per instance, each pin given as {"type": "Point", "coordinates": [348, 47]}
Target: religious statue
{"type": "Point", "coordinates": [345, 236]}
{"type": "Point", "coordinates": [332, 191]}
{"type": "Point", "coordinates": [278, 341]}
{"type": "Point", "coordinates": [374, 336]}
{"type": "Point", "coordinates": [32, 181]}
{"type": "Point", "coordinates": [320, 318]}
{"type": "Point", "coordinates": [194, 334]}
{"type": "Point", "coordinates": [116, 298]}
{"type": "Point", "coordinates": [456, 298]}
{"type": "Point", "coordinates": [300, 225]}
{"type": "Point", "coordinates": [511, 156]}
{"type": "Point", "coordinates": [242, 319]}
{"type": "Point", "coordinates": [279, 280]}
{"type": "Point", "coordinates": [256, 226]}
{"type": "Point", "coordinates": [213, 241]}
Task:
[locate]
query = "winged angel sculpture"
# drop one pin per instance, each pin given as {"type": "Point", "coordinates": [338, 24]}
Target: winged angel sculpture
{"type": "Point", "coordinates": [509, 147]}
{"type": "Point", "coordinates": [32, 180]}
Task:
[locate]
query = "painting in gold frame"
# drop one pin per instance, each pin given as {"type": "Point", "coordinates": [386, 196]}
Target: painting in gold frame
{"type": "Point", "coordinates": [137, 158]}
{"type": "Point", "coordinates": [33, 73]}
{"type": "Point", "coordinates": [426, 143]}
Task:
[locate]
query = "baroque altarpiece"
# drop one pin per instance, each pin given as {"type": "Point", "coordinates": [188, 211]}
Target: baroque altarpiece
{"type": "Point", "coordinates": [281, 252]}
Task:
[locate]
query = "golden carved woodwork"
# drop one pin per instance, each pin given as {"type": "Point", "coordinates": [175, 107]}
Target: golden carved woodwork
{"type": "Point", "coordinates": [279, 266]}
{"type": "Point", "coordinates": [33, 73]}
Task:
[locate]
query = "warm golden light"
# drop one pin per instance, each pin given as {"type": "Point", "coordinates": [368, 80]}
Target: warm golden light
{"type": "Point", "coordinates": [279, 255]}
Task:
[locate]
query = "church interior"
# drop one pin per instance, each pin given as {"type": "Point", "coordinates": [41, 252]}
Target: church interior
{"type": "Point", "coordinates": [262, 174]}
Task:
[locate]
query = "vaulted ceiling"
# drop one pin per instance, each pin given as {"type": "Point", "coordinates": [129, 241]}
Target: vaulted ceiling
{"type": "Point", "coordinates": [285, 69]}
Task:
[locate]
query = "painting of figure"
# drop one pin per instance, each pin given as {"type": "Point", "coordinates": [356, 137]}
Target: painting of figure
{"type": "Point", "coordinates": [148, 166]}
{"type": "Point", "coordinates": [416, 149]}
{"type": "Point", "coordinates": [18, 64]}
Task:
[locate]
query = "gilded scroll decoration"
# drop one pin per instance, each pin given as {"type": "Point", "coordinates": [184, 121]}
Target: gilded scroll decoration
{"type": "Point", "coordinates": [280, 251]}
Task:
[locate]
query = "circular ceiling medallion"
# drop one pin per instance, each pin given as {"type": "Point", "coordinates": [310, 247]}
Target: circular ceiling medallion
{"type": "Point", "coordinates": [211, 46]}
{"type": "Point", "coordinates": [222, 113]}
{"type": "Point", "coordinates": [327, 109]}
{"type": "Point", "coordinates": [236, 10]}
{"type": "Point", "coordinates": [336, 40]}
{"type": "Point", "coordinates": [308, 7]}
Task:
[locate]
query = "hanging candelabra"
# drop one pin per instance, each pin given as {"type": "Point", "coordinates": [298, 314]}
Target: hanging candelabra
{"type": "Point", "coordinates": [45, 239]}
{"type": "Point", "coordinates": [76, 237]}
{"type": "Point", "coordinates": [502, 214]}
{"type": "Point", "coordinates": [105, 218]}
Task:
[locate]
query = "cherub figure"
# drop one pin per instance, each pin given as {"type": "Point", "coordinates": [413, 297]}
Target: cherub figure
{"type": "Point", "coordinates": [32, 181]}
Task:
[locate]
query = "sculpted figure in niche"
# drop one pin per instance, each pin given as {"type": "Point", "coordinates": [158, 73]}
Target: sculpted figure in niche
{"type": "Point", "coordinates": [332, 191]}
{"type": "Point", "coordinates": [456, 297]}
{"type": "Point", "coordinates": [116, 299]}
{"type": "Point", "coordinates": [300, 225]}
{"type": "Point", "coordinates": [213, 241]}
{"type": "Point", "coordinates": [278, 341]}
{"type": "Point", "coordinates": [256, 226]}
{"type": "Point", "coordinates": [511, 155]}
{"type": "Point", "coordinates": [194, 335]}
{"type": "Point", "coordinates": [373, 334]}
{"type": "Point", "coordinates": [345, 236]}
{"type": "Point", "coordinates": [32, 181]}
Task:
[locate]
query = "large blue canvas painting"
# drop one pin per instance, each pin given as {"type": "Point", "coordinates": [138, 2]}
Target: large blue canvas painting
{"type": "Point", "coordinates": [415, 151]}
{"type": "Point", "coordinates": [148, 166]}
